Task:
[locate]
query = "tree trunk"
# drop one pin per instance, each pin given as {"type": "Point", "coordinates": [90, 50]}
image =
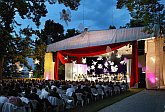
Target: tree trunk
{"type": "Point", "coordinates": [1, 65]}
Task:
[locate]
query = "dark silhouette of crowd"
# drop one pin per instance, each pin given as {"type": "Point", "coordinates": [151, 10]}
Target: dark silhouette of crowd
{"type": "Point", "coordinates": [53, 95]}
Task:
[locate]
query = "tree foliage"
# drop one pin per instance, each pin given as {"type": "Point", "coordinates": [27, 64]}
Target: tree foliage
{"type": "Point", "coordinates": [71, 33]}
{"type": "Point", "coordinates": [112, 27]}
{"type": "Point", "coordinates": [39, 54]}
{"type": "Point", "coordinates": [146, 13]}
{"type": "Point", "coordinates": [17, 45]}
{"type": "Point", "coordinates": [53, 31]}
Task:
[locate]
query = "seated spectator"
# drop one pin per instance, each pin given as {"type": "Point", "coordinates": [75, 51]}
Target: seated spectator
{"type": "Point", "coordinates": [33, 95]}
{"type": "Point", "coordinates": [79, 90]}
{"type": "Point", "coordinates": [70, 91]}
{"type": "Point", "coordinates": [54, 93]}
{"type": "Point", "coordinates": [15, 100]}
{"type": "Point", "coordinates": [93, 85]}
{"type": "Point", "coordinates": [44, 93]}
{"type": "Point", "coordinates": [87, 91]}
{"type": "Point", "coordinates": [27, 93]}
{"type": "Point", "coordinates": [3, 96]}
{"type": "Point", "coordinates": [123, 83]}
{"type": "Point", "coordinates": [39, 90]}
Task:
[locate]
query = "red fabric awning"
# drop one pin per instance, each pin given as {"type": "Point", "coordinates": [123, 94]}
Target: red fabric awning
{"type": "Point", "coordinates": [97, 50]}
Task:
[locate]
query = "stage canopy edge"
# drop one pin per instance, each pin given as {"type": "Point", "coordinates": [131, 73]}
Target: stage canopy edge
{"type": "Point", "coordinates": [97, 38]}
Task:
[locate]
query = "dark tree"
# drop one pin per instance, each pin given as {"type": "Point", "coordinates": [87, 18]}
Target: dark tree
{"type": "Point", "coordinates": [112, 27]}
{"type": "Point", "coordinates": [54, 31]}
{"type": "Point", "coordinates": [17, 46]}
{"type": "Point", "coordinates": [71, 33]}
{"type": "Point", "coordinates": [148, 13]}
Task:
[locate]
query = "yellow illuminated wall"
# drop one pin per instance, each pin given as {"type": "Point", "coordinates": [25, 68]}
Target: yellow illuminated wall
{"type": "Point", "coordinates": [154, 63]}
{"type": "Point", "coordinates": [49, 67]}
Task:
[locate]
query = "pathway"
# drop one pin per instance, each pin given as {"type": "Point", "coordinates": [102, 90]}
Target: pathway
{"type": "Point", "coordinates": [144, 101]}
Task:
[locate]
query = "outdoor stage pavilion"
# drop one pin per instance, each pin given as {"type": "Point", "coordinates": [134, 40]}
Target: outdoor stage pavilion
{"type": "Point", "coordinates": [96, 43]}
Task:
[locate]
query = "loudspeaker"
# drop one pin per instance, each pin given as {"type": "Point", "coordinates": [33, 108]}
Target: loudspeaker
{"type": "Point", "coordinates": [141, 45]}
{"type": "Point", "coordinates": [142, 81]}
{"type": "Point", "coordinates": [54, 55]}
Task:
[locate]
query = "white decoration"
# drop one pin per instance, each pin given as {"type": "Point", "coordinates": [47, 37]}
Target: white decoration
{"type": "Point", "coordinates": [123, 62]}
{"type": "Point", "coordinates": [94, 62]}
{"type": "Point", "coordinates": [118, 56]}
{"type": "Point", "coordinates": [106, 64]}
{"type": "Point", "coordinates": [88, 69]}
{"type": "Point", "coordinates": [19, 68]}
{"type": "Point", "coordinates": [93, 67]}
{"type": "Point", "coordinates": [65, 15]}
{"type": "Point", "coordinates": [100, 66]}
{"type": "Point", "coordinates": [105, 70]}
{"type": "Point", "coordinates": [74, 62]}
{"type": "Point", "coordinates": [111, 62]}
{"type": "Point", "coordinates": [84, 60]}
{"type": "Point", "coordinates": [114, 68]}
{"type": "Point", "coordinates": [100, 58]}
{"type": "Point", "coordinates": [36, 61]}
{"type": "Point", "coordinates": [66, 58]}
{"type": "Point", "coordinates": [10, 64]}
{"type": "Point", "coordinates": [17, 63]}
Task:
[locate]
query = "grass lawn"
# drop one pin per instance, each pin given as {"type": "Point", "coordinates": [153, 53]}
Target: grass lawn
{"type": "Point", "coordinates": [98, 105]}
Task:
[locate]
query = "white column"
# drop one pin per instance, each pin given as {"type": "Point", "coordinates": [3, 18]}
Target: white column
{"type": "Point", "coordinates": [49, 67]}
{"type": "Point", "coordinates": [69, 71]}
{"type": "Point", "coordinates": [129, 63]}
{"type": "Point", "coordinates": [154, 63]}
{"type": "Point", "coordinates": [164, 67]}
